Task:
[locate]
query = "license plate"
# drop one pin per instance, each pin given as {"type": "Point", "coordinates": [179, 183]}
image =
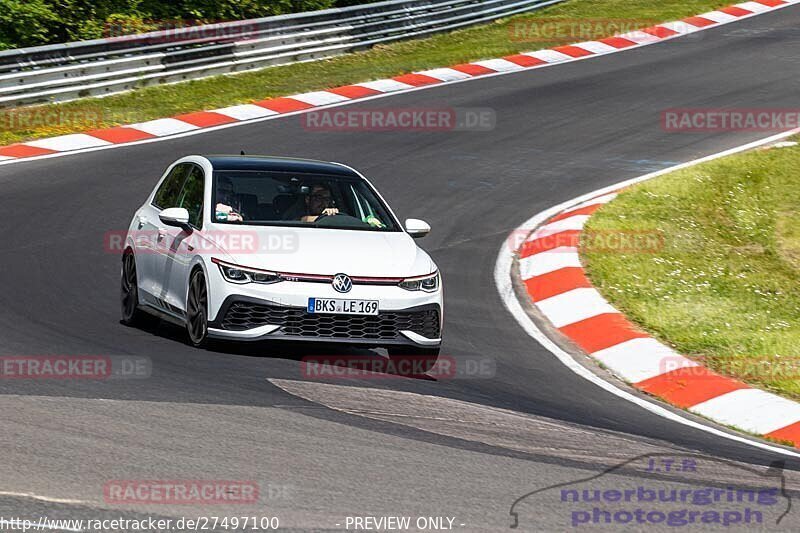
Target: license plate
{"type": "Point", "coordinates": [337, 306]}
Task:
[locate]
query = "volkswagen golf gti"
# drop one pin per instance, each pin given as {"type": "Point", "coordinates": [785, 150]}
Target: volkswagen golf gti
{"type": "Point", "coordinates": [254, 248]}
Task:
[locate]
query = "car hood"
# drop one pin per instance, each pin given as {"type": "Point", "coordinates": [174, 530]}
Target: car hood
{"type": "Point", "coordinates": [330, 251]}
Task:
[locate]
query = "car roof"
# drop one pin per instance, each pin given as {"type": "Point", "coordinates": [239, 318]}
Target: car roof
{"type": "Point", "coordinates": [279, 164]}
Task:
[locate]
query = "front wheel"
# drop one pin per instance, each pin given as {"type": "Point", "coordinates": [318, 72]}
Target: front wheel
{"type": "Point", "coordinates": [197, 310]}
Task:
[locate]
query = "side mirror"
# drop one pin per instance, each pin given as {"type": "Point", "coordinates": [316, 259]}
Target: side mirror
{"type": "Point", "coordinates": [175, 216]}
{"type": "Point", "coordinates": [417, 228]}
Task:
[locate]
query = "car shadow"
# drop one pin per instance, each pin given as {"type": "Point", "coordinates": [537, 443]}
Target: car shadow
{"type": "Point", "coordinates": [321, 360]}
{"type": "Point", "coordinates": [331, 358]}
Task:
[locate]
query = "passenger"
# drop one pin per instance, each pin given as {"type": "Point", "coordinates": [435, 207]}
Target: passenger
{"type": "Point", "coordinates": [228, 207]}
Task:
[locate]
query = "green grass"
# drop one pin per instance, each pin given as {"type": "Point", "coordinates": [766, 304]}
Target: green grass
{"type": "Point", "coordinates": [723, 286]}
{"type": "Point", "coordinates": [481, 42]}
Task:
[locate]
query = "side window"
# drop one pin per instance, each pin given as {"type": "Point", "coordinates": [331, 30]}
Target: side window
{"type": "Point", "coordinates": [191, 196]}
{"type": "Point", "coordinates": [167, 194]}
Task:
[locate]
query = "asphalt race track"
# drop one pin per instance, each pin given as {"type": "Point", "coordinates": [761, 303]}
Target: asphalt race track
{"type": "Point", "coordinates": [367, 447]}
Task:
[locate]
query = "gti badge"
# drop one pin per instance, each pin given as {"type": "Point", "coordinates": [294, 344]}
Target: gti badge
{"type": "Point", "coordinates": [342, 283]}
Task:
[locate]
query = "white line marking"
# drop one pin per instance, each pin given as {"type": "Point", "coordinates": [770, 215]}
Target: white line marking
{"type": "Point", "coordinates": [640, 359]}
{"type": "Point", "coordinates": [681, 27]}
{"type": "Point", "coordinates": [445, 74]}
{"type": "Point", "coordinates": [498, 65]}
{"type": "Point", "coordinates": [319, 98]}
{"type": "Point", "coordinates": [550, 56]}
{"type": "Point", "coordinates": [594, 201]}
{"type": "Point", "coordinates": [596, 47]}
{"type": "Point", "coordinates": [385, 86]}
{"type": "Point", "coordinates": [718, 16]}
{"type": "Point", "coordinates": [245, 111]}
{"type": "Point", "coordinates": [640, 37]}
{"type": "Point", "coordinates": [502, 278]}
{"type": "Point", "coordinates": [548, 261]}
{"type": "Point", "coordinates": [74, 141]}
{"type": "Point", "coordinates": [755, 7]}
{"type": "Point", "coordinates": [752, 410]}
{"type": "Point", "coordinates": [575, 223]}
{"type": "Point", "coordinates": [162, 127]}
{"type": "Point", "coordinates": [573, 306]}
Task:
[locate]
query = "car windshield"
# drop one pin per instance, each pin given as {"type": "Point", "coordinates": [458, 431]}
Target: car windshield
{"type": "Point", "coordinates": [268, 198]}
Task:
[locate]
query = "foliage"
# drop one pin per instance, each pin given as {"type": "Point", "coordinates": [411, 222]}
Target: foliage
{"type": "Point", "coordinates": [36, 22]}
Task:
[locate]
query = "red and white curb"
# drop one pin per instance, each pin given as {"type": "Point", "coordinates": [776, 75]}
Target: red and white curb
{"type": "Point", "coordinates": [191, 123]}
{"type": "Point", "coordinates": [550, 269]}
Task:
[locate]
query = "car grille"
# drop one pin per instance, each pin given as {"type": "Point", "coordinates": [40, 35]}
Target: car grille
{"type": "Point", "coordinates": [296, 321]}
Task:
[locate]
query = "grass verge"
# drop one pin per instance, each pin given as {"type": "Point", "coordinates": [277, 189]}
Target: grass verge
{"type": "Point", "coordinates": [722, 286]}
{"type": "Point", "coordinates": [481, 42]}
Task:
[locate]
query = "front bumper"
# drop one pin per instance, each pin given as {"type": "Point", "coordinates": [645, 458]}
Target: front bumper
{"type": "Point", "coordinates": [249, 319]}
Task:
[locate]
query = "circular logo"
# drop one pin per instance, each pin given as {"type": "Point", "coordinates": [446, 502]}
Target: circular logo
{"type": "Point", "coordinates": [342, 283]}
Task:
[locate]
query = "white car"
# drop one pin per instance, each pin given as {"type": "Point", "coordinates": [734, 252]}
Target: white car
{"type": "Point", "coordinates": [255, 248]}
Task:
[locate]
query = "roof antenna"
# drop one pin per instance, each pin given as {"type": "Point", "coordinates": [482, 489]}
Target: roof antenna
{"type": "Point", "coordinates": [242, 152]}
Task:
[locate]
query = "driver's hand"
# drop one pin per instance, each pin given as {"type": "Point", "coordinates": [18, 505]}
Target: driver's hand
{"type": "Point", "coordinates": [330, 211]}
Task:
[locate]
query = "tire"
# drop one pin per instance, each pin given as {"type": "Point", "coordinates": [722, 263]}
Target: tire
{"type": "Point", "coordinates": [129, 292]}
{"type": "Point", "coordinates": [197, 310]}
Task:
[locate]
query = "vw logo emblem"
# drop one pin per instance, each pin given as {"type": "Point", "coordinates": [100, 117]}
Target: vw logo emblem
{"type": "Point", "coordinates": [342, 283]}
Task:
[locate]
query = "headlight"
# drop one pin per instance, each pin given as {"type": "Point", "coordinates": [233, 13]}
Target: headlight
{"type": "Point", "coordinates": [429, 283]}
{"type": "Point", "coordinates": [238, 274]}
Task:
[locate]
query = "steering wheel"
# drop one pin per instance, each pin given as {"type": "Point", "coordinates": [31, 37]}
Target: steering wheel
{"type": "Point", "coordinates": [324, 215]}
{"type": "Point", "coordinates": [338, 219]}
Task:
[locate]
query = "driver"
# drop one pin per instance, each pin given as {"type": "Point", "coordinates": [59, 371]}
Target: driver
{"type": "Point", "coordinates": [319, 203]}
